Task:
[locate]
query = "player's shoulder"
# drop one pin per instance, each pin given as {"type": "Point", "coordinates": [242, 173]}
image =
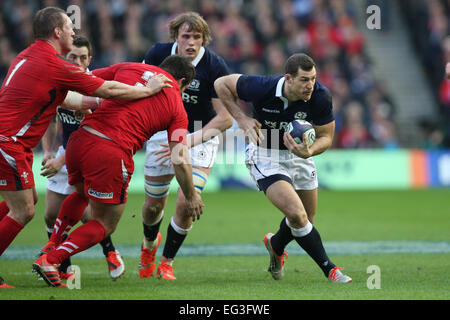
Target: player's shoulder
{"type": "Point", "coordinates": [158, 52]}
{"type": "Point", "coordinates": [161, 49]}
{"type": "Point", "coordinates": [264, 82]}
{"type": "Point", "coordinates": [321, 93]}
{"type": "Point", "coordinates": [213, 59]}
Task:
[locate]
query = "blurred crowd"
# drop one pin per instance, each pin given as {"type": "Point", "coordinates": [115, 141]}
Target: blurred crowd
{"type": "Point", "coordinates": [429, 23]}
{"type": "Point", "coordinates": [253, 36]}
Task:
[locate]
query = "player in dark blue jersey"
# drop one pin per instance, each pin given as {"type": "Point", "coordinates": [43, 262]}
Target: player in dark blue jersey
{"type": "Point", "coordinates": [54, 168]}
{"type": "Point", "coordinates": [282, 168]}
{"type": "Point", "coordinates": [207, 119]}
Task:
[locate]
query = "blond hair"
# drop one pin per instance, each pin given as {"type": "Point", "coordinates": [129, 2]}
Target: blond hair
{"type": "Point", "coordinates": [194, 21]}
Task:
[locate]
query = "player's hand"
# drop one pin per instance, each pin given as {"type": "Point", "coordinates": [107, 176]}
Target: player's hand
{"type": "Point", "coordinates": [299, 149]}
{"type": "Point", "coordinates": [194, 206]}
{"type": "Point", "coordinates": [164, 155]}
{"type": "Point", "coordinates": [51, 167]}
{"type": "Point", "coordinates": [47, 156]}
{"type": "Point", "coordinates": [158, 82]}
{"type": "Point", "coordinates": [252, 129]}
{"type": "Point", "coordinates": [80, 114]}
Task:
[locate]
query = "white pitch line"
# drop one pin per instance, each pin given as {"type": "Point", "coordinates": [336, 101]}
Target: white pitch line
{"type": "Point", "coordinates": [254, 249]}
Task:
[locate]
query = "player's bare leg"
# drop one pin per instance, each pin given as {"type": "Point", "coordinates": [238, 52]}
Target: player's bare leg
{"type": "Point", "coordinates": [309, 200]}
{"type": "Point", "coordinates": [53, 202]}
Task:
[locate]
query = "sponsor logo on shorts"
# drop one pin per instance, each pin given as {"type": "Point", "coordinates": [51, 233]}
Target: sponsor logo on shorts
{"type": "Point", "coordinates": [201, 154]}
{"type": "Point", "coordinates": [3, 183]}
{"type": "Point", "coordinates": [100, 195]}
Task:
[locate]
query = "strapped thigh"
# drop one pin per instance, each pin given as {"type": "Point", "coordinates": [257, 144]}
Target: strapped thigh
{"type": "Point", "coordinates": [157, 189]}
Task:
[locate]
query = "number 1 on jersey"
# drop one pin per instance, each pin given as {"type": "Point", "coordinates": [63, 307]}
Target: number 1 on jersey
{"type": "Point", "coordinates": [14, 71]}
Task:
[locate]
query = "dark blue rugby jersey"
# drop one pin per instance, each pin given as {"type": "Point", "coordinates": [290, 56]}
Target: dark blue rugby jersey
{"type": "Point", "coordinates": [197, 97]}
{"type": "Point", "coordinates": [274, 112]}
{"type": "Point", "coordinates": [70, 123]}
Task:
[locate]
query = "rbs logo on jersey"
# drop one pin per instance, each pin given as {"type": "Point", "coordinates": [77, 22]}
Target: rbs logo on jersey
{"type": "Point", "coordinates": [189, 98]}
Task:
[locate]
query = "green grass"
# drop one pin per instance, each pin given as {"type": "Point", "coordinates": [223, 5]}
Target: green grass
{"type": "Point", "coordinates": [405, 276]}
{"type": "Point", "coordinates": [244, 217]}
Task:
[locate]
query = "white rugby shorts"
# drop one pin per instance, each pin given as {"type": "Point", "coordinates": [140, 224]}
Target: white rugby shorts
{"type": "Point", "coordinates": [202, 155]}
{"type": "Point", "coordinates": [263, 163]}
{"type": "Point", "coordinates": [59, 183]}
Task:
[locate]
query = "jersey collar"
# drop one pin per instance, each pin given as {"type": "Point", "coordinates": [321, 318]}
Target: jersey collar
{"type": "Point", "coordinates": [197, 58]}
{"type": "Point", "coordinates": [279, 93]}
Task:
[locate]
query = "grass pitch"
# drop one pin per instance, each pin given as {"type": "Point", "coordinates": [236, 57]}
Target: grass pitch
{"type": "Point", "coordinates": [242, 217]}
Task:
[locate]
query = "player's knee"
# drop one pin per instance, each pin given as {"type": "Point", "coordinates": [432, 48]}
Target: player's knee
{"type": "Point", "coordinates": [153, 207]}
{"type": "Point", "coordinates": [49, 219]}
{"type": "Point", "coordinates": [296, 216]}
{"type": "Point", "coordinates": [25, 214]}
{"type": "Point", "coordinates": [35, 198]}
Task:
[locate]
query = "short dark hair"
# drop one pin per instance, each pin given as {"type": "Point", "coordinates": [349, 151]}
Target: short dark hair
{"type": "Point", "coordinates": [81, 41]}
{"type": "Point", "coordinates": [46, 20]}
{"type": "Point", "coordinates": [179, 67]}
{"type": "Point", "coordinates": [298, 60]}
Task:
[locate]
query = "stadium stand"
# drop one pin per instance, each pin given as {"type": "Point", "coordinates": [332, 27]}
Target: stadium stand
{"type": "Point", "coordinates": [255, 37]}
{"type": "Point", "coordinates": [429, 30]}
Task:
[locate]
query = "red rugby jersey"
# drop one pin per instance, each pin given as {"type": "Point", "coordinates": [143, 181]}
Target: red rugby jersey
{"type": "Point", "coordinates": [131, 123]}
{"type": "Point", "coordinates": [36, 83]}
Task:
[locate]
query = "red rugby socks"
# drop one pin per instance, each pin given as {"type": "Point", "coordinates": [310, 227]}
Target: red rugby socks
{"type": "Point", "coordinates": [70, 214]}
{"type": "Point", "coordinates": [3, 209]}
{"type": "Point", "coordinates": [9, 229]}
{"type": "Point", "coordinates": [80, 239]}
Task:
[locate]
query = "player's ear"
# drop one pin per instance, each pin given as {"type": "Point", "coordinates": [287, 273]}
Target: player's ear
{"type": "Point", "coordinates": [57, 32]}
{"type": "Point", "coordinates": [287, 77]}
{"type": "Point", "coordinates": [180, 84]}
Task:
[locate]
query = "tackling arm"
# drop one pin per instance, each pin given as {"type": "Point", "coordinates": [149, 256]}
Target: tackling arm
{"type": "Point", "coordinates": [111, 89]}
{"type": "Point", "coordinates": [227, 92]}
{"type": "Point", "coordinates": [221, 122]}
{"type": "Point", "coordinates": [48, 139]}
{"type": "Point", "coordinates": [183, 172]}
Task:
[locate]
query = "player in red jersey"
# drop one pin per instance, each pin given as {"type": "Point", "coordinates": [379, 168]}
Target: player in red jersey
{"type": "Point", "coordinates": [100, 164]}
{"type": "Point", "coordinates": [37, 82]}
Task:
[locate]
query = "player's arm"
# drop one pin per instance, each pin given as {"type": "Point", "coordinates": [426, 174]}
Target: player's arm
{"type": "Point", "coordinates": [77, 101]}
{"type": "Point", "coordinates": [180, 158]}
{"type": "Point", "coordinates": [105, 87]}
{"type": "Point", "coordinates": [221, 122]}
{"type": "Point", "coordinates": [120, 91]}
{"type": "Point", "coordinates": [50, 164]}
{"type": "Point", "coordinates": [324, 139]}
{"type": "Point", "coordinates": [48, 139]}
{"type": "Point", "coordinates": [226, 88]}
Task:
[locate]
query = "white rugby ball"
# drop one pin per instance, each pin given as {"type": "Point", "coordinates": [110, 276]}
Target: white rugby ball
{"type": "Point", "coordinates": [297, 128]}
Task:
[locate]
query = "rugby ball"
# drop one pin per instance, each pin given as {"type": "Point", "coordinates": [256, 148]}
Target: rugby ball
{"type": "Point", "coordinates": [297, 128]}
